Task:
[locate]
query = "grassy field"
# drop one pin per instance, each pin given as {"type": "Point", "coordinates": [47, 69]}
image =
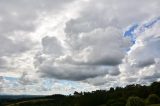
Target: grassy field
{"type": "Point", "coordinates": [155, 105]}
{"type": "Point", "coordinates": [149, 105]}
{"type": "Point", "coordinates": [32, 102]}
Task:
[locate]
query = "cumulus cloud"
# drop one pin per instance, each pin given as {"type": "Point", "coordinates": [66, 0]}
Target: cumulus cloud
{"type": "Point", "coordinates": [142, 61]}
{"type": "Point", "coordinates": [91, 46]}
{"type": "Point", "coordinates": [19, 21]}
{"type": "Point", "coordinates": [19, 18]}
{"type": "Point", "coordinates": [96, 40]}
{"type": "Point", "coordinates": [99, 47]}
{"type": "Point", "coordinates": [91, 54]}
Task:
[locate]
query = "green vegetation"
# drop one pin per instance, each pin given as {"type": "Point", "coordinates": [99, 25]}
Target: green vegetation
{"type": "Point", "coordinates": [153, 99]}
{"type": "Point", "coordinates": [135, 101]}
{"type": "Point", "coordinates": [155, 105]}
{"type": "Point", "coordinates": [39, 102]}
{"type": "Point", "coordinates": [131, 95]}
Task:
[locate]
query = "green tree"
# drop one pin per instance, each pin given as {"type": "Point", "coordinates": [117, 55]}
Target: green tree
{"type": "Point", "coordinates": [155, 88]}
{"type": "Point", "coordinates": [135, 101]}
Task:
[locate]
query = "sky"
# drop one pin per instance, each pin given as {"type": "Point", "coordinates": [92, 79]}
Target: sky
{"type": "Point", "coordinates": [61, 46]}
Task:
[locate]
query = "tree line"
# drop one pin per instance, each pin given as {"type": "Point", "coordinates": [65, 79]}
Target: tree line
{"type": "Point", "coordinates": [131, 95]}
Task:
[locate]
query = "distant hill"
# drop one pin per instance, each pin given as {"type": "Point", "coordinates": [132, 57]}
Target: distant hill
{"type": "Point", "coordinates": [5, 99]}
{"type": "Point", "coordinates": [17, 96]}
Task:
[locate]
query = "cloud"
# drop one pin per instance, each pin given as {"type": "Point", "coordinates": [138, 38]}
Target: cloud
{"type": "Point", "coordinates": [47, 42]}
{"type": "Point", "coordinates": [19, 21]}
{"type": "Point", "coordinates": [142, 61]}
{"type": "Point", "coordinates": [14, 18]}
{"type": "Point", "coordinates": [96, 40]}
{"type": "Point", "coordinates": [91, 55]}
{"type": "Point", "coordinates": [10, 47]}
{"type": "Point", "coordinates": [51, 45]}
{"type": "Point", "coordinates": [112, 13]}
{"type": "Point", "coordinates": [99, 47]}
{"type": "Point", "coordinates": [73, 72]}
{"type": "Point", "coordinates": [3, 63]}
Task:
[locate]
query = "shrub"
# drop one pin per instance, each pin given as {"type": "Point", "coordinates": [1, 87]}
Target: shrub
{"type": "Point", "coordinates": [153, 99]}
{"type": "Point", "coordinates": [135, 101]}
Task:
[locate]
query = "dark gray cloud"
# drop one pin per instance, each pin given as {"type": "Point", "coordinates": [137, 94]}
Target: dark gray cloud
{"type": "Point", "coordinates": [75, 73]}
{"type": "Point", "coordinates": [51, 45]}
{"type": "Point", "coordinates": [152, 78]}
{"type": "Point", "coordinates": [112, 76]}
{"type": "Point", "coordinates": [11, 47]}
{"type": "Point", "coordinates": [3, 62]}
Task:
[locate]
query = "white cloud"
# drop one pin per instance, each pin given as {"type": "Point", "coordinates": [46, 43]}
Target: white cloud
{"type": "Point", "coordinates": [78, 42]}
{"type": "Point", "coordinates": [142, 61]}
